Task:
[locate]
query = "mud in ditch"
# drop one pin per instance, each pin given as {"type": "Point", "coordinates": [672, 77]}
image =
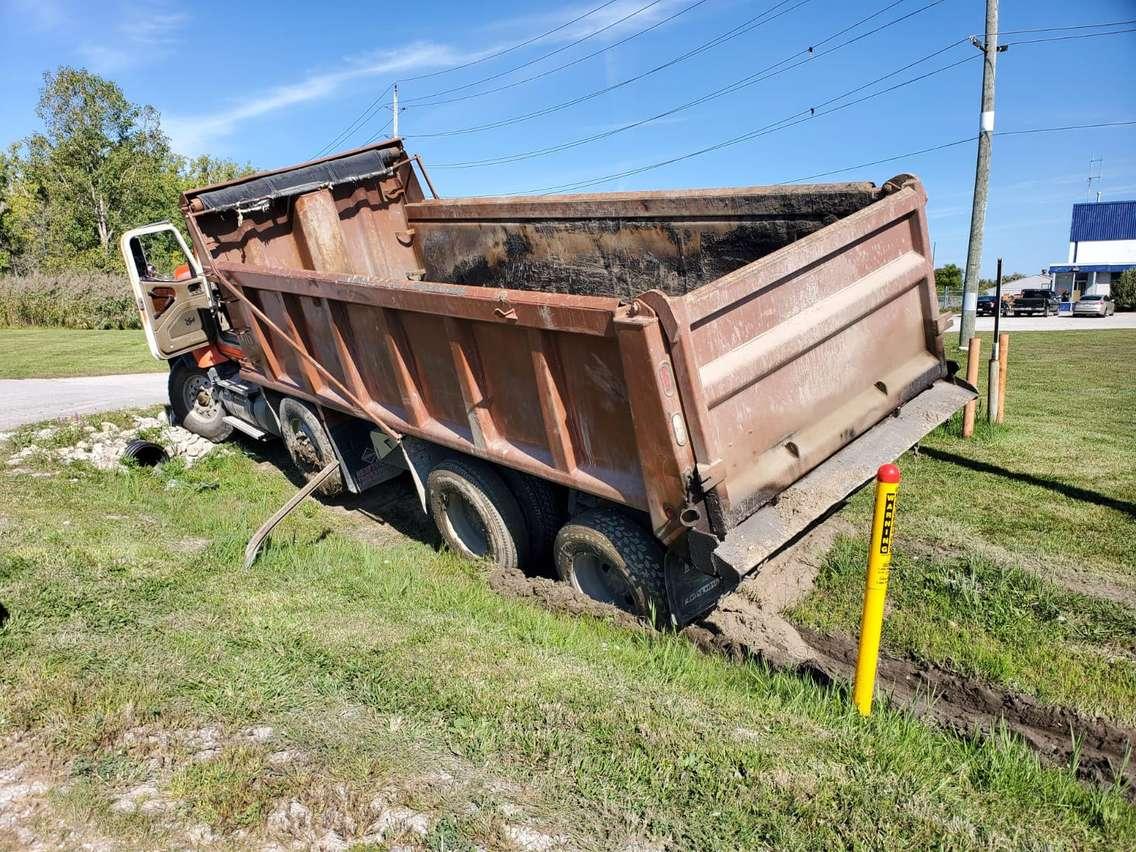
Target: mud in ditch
{"type": "Point", "coordinates": [747, 625]}
{"type": "Point", "coordinates": [967, 706]}
{"type": "Point", "coordinates": [560, 597]}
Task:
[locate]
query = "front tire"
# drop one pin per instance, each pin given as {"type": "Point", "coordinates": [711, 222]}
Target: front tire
{"type": "Point", "coordinates": [308, 445]}
{"type": "Point", "coordinates": [609, 557]}
{"type": "Point", "coordinates": [194, 404]}
{"type": "Point", "coordinates": [476, 513]}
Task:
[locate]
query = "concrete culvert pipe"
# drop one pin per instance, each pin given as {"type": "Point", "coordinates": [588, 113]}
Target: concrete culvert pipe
{"type": "Point", "coordinates": [145, 453]}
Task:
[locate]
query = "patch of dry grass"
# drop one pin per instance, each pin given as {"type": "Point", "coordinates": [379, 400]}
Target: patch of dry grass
{"type": "Point", "coordinates": [94, 300]}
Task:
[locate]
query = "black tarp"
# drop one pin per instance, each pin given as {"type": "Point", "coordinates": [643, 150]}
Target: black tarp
{"type": "Point", "coordinates": [304, 179]}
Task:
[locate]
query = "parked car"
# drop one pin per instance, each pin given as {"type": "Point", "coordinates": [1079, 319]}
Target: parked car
{"type": "Point", "coordinates": [986, 306]}
{"type": "Point", "coordinates": [1094, 306]}
{"type": "Point", "coordinates": [1042, 302]}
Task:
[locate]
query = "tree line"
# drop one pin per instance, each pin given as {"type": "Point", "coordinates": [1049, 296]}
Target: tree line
{"type": "Point", "coordinates": [100, 166]}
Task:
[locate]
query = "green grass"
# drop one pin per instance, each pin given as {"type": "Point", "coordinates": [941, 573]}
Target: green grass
{"type": "Point", "coordinates": [32, 353]}
{"type": "Point", "coordinates": [383, 664]}
{"type": "Point", "coordinates": [1001, 572]}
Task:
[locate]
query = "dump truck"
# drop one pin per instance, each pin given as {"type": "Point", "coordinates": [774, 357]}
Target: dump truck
{"type": "Point", "coordinates": [650, 393]}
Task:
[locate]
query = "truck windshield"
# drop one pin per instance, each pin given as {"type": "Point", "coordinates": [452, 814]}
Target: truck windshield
{"type": "Point", "coordinates": [1035, 294]}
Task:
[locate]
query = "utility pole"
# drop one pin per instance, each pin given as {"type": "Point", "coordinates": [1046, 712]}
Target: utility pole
{"type": "Point", "coordinates": [394, 112]}
{"type": "Point", "coordinates": [990, 51]}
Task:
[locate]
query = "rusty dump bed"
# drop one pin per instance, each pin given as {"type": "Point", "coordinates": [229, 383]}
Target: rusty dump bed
{"type": "Point", "coordinates": [690, 353]}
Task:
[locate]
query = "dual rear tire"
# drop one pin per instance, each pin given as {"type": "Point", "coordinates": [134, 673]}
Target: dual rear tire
{"type": "Point", "coordinates": [512, 521]}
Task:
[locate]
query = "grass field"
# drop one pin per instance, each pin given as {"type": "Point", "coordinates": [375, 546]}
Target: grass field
{"type": "Point", "coordinates": [383, 692]}
{"type": "Point", "coordinates": [1015, 557]}
{"type": "Point", "coordinates": [35, 353]}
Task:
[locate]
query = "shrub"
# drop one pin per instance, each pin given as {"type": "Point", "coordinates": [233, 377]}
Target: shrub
{"type": "Point", "coordinates": [67, 299]}
{"type": "Point", "coordinates": [1124, 291]}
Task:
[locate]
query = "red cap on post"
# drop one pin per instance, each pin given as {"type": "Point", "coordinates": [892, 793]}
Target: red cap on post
{"type": "Point", "coordinates": [887, 473]}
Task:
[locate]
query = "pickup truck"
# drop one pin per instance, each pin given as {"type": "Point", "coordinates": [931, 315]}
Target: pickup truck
{"type": "Point", "coordinates": [652, 391]}
{"type": "Point", "coordinates": [1042, 302]}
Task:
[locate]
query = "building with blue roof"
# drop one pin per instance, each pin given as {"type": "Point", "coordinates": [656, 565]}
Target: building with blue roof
{"type": "Point", "coordinates": [1102, 244]}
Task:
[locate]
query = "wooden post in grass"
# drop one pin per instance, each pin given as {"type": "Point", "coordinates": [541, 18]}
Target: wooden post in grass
{"type": "Point", "coordinates": [875, 589]}
{"type": "Point", "coordinates": [1003, 365]}
{"type": "Point", "coordinates": [972, 357]}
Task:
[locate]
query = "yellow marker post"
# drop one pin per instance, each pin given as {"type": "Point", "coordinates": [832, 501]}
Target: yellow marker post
{"type": "Point", "coordinates": [875, 592]}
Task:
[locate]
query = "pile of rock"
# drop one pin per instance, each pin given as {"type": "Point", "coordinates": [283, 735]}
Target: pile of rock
{"type": "Point", "coordinates": [103, 446]}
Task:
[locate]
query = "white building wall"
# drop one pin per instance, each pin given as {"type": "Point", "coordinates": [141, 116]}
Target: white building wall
{"type": "Point", "coordinates": [1103, 251]}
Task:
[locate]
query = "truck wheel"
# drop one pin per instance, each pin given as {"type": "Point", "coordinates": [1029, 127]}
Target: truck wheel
{"type": "Point", "coordinates": [194, 405]}
{"type": "Point", "coordinates": [476, 513]}
{"type": "Point", "coordinates": [607, 556]}
{"type": "Point", "coordinates": [308, 444]}
{"type": "Point", "coordinates": [540, 504]}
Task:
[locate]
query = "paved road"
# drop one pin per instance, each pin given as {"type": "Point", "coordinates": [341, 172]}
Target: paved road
{"type": "Point", "coordinates": [1066, 323]}
{"type": "Point", "coordinates": [29, 400]}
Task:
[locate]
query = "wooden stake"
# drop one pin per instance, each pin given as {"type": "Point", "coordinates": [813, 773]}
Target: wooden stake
{"type": "Point", "coordinates": [972, 359]}
{"type": "Point", "coordinates": [1003, 359]}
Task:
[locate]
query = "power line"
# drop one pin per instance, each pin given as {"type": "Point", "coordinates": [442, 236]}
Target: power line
{"type": "Point", "coordinates": [965, 140]}
{"type": "Point", "coordinates": [760, 76]}
{"type": "Point", "coordinates": [807, 52]}
{"type": "Point", "coordinates": [372, 108]}
{"type": "Point", "coordinates": [1074, 27]}
{"type": "Point", "coordinates": [1069, 37]}
{"type": "Point", "coordinates": [540, 58]}
{"type": "Point", "coordinates": [788, 121]}
{"type": "Point", "coordinates": [799, 117]}
{"type": "Point", "coordinates": [362, 119]}
{"type": "Point", "coordinates": [379, 132]}
{"type": "Point", "coordinates": [743, 27]}
{"type": "Point", "coordinates": [510, 49]}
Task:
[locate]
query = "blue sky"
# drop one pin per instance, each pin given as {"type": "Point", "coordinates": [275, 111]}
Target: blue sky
{"type": "Point", "coordinates": [274, 82]}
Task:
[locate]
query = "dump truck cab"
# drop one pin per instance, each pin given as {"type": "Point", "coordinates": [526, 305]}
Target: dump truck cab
{"type": "Point", "coordinates": [655, 391]}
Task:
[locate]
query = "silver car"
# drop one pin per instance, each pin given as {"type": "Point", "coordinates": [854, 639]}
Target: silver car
{"type": "Point", "coordinates": [1094, 306]}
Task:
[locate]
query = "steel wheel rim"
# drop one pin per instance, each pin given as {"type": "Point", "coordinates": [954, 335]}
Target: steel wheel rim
{"type": "Point", "coordinates": [596, 577]}
{"type": "Point", "coordinates": [192, 389]}
{"type": "Point", "coordinates": [464, 524]}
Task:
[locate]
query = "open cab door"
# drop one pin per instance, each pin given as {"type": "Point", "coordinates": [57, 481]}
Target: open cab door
{"type": "Point", "coordinates": [170, 290]}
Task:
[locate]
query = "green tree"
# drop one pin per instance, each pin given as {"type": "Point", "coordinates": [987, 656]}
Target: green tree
{"type": "Point", "coordinates": [948, 278]}
{"type": "Point", "coordinates": [101, 165]}
{"type": "Point", "coordinates": [196, 172]}
{"type": "Point", "coordinates": [1124, 290]}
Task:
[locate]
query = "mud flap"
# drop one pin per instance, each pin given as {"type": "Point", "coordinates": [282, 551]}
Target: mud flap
{"type": "Point", "coordinates": [365, 453]}
{"type": "Point", "coordinates": [709, 568]}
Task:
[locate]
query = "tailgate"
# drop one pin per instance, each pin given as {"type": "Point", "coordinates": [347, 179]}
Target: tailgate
{"type": "Point", "coordinates": [790, 358]}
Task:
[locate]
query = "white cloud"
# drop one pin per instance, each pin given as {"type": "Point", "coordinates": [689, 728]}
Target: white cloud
{"type": "Point", "coordinates": [145, 32]}
{"type": "Point", "coordinates": [193, 133]}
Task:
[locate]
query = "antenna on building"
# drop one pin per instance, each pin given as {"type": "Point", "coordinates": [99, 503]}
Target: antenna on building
{"type": "Point", "coordinates": [1096, 173]}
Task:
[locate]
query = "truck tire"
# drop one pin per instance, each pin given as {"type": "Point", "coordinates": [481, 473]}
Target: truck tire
{"type": "Point", "coordinates": [541, 505]}
{"type": "Point", "coordinates": [476, 513]}
{"type": "Point", "coordinates": [609, 557]}
{"type": "Point", "coordinates": [194, 405]}
{"type": "Point", "coordinates": [308, 444]}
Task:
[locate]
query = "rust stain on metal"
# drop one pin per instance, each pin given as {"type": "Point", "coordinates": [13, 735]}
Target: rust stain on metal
{"type": "Point", "coordinates": [623, 344]}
